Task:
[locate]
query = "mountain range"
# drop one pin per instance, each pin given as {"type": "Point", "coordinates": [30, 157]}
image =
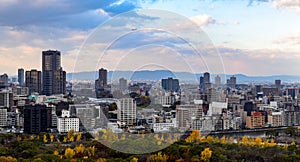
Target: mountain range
{"type": "Point", "coordinates": [182, 76]}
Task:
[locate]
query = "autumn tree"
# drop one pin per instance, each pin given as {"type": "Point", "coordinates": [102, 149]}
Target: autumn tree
{"type": "Point", "coordinates": [159, 157]}
{"type": "Point", "coordinates": [78, 137]}
{"type": "Point", "coordinates": [51, 138]}
{"type": "Point", "coordinates": [45, 138]}
{"type": "Point", "coordinates": [79, 149]}
{"type": "Point", "coordinates": [91, 151]}
{"type": "Point", "coordinates": [71, 134]}
{"type": "Point", "coordinates": [134, 159]}
{"type": "Point", "coordinates": [245, 140]}
{"type": "Point", "coordinates": [223, 140]}
{"type": "Point", "coordinates": [209, 139]}
{"type": "Point", "coordinates": [195, 136]}
{"type": "Point", "coordinates": [69, 153]}
{"type": "Point", "coordinates": [258, 141]}
{"type": "Point", "coordinates": [206, 155]}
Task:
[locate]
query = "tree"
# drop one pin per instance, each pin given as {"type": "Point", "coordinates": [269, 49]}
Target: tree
{"type": "Point", "coordinates": [101, 160]}
{"type": "Point", "coordinates": [65, 140]}
{"type": "Point", "coordinates": [79, 149]}
{"type": "Point", "coordinates": [91, 151]}
{"type": "Point", "coordinates": [7, 159]}
{"type": "Point", "coordinates": [245, 140]}
{"type": "Point", "coordinates": [69, 153]}
{"type": "Point", "coordinates": [71, 134]}
{"type": "Point", "coordinates": [230, 140]}
{"type": "Point", "coordinates": [258, 141]}
{"type": "Point", "coordinates": [134, 159]}
{"type": "Point", "coordinates": [56, 152]}
{"type": "Point", "coordinates": [206, 155]}
{"type": "Point", "coordinates": [51, 138]}
{"type": "Point", "coordinates": [159, 157]}
{"type": "Point", "coordinates": [195, 136]}
{"type": "Point", "coordinates": [19, 138]}
{"type": "Point", "coordinates": [78, 137]}
{"type": "Point", "coordinates": [223, 140]}
{"type": "Point", "coordinates": [45, 138]}
{"type": "Point", "coordinates": [209, 139]}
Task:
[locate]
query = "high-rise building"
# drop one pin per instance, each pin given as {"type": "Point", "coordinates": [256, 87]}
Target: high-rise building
{"type": "Point", "coordinates": [3, 81]}
{"type": "Point", "coordinates": [37, 118]}
{"type": "Point", "coordinates": [65, 123]}
{"type": "Point", "coordinates": [205, 82]}
{"type": "Point", "coordinates": [278, 84]}
{"type": "Point", "coordinates": [206, 77]}
{"type": "Point", "coordinates": [54, 78]}
{"type": "Point", "coordinates": [126, 112]}
{"type": "Point", "coordinates": [123, 84]}
{"type": "Point", "coordinates": [217, 80]}
{"type": "Point", "coordinates": [6, 98]}
{"type": "Point", "coordinates": [102, 80]}
{"type": "Point", "coordinates": [170, 84]}
{"type": "Point", "coordinates": [34, 81]}
{"type": "Point", "coordinates": [21, 76]}
{"type": "Point", "coordinates": [3, 116]}
{"type": "Point", "coordinates": [231, 82]}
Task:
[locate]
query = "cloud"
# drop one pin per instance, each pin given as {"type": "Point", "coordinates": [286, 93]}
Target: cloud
{"type": "Point", "coordinates": [293, 39]}
{"type": "Point", "coordinates": [203, 20]}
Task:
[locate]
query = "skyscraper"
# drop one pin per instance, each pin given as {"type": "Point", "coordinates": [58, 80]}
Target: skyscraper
{"type": "Point", "coordinates": [21, 76]}
{"type": "Point", "coordinates": [54, 78]}
{"type": "Point", "coordinates": [3, 81]}
{"type": "Point", "coordinates": [218, 80]}
{"type": "Point", "coordinates": [102, 80]}
{"type": "Point", "coordinates": [170, 84]}
{"type": "Point", "coordinates": [123, 84]}
{"type": "Point", "coordinates": [206, 77]}
{"type": "Point", "coordinates": [231, 82]}
{"type": "Point", "coordinates": [34, 81]}
{"type": "Point", "coordinates": [278, 84]}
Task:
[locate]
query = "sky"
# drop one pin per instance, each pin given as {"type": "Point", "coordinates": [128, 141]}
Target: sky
{"type": "Point", "coordinates": [252, 37]}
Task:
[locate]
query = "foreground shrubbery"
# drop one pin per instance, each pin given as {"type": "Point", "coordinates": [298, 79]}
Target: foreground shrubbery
{"type": "Point", "coordinates": [77, 147]}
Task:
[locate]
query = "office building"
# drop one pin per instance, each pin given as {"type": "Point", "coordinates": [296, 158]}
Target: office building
{"type": "Point", "coordinates": [101, 87]}
{"type": "Point", "coordinates": [54, 78]}
{"type": "Point", "coordinates": [3, 116]}
{"type": "Point", "coordinates": [37, 118]}
{"type": "Point", "coordinates": [205, 82]}
{"type": "Point", "coordinates": [34, 81]}
{"type": "Point", "coordinates": [21, 76]}
{"type": "Point", "coordinates": [217, 80]}
{"type": "Point", "coordinates": [21, 91]}
{"type": "Point", "coordinates": [278, 84]}
{"type": "Point", "coordinates": [65, 123]}
{"type": "Point", "coordinates": [3, 81]}
{"type": "Point", "coordinates": [123, 84]}
{"type": "Point", "coordinates": [6, 98]}
{"type": "Point", "coordinates": [231, 82]}
{"type": "Point", "coordinates": [170, 84]}
{"type": "Point", "coordinates": [256, 120]}
{"type": "Point", "coordinates": [126, 112]}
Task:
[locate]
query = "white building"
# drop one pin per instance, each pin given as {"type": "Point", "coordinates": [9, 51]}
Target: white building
{"type": "Point", "coordinates": [3, 117]}
{"type": "Point", "coordinates": [126, 112]}
{"type": "Point", "coordinates": [67, 123]}
{"type": "Point", "coordinates": [163, 127]}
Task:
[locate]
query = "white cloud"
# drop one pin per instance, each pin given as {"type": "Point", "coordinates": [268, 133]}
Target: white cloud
{"type": "Point", "coordinates": [203, 20]}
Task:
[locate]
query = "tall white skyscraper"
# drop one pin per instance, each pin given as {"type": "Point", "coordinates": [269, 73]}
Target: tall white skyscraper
{"type": "Point", "coordinates": [126, 112]}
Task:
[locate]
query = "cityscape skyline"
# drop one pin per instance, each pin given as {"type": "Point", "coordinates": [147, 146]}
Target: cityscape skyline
{"type": "Point", "coordinates": [274, 53]}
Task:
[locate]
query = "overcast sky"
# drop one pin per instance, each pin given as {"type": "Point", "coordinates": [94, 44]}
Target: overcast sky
{"type": "Point", "coordinates": [251, 37]}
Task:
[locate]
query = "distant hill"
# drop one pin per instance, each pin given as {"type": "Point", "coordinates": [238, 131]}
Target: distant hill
{"type": "Point", "coordinates": [182, 76]}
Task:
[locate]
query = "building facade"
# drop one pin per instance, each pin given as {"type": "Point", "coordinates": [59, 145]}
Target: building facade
{"type": "Point", "coordinates": [34, 81]}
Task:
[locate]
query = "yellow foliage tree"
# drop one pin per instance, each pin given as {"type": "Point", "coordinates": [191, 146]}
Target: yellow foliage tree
{"type": "Point", "coordinates": [272, 143]}
{"type": "Point", "coordinates": [79, 149]}
{"type": "Point", "coordinates": [158, 157]}
{"type": "Point", "coordinates": [209, 139]}
{"type": "Point", "coordinates": [195, 136]}
{"type": "Point", "coordinates": [71, 134]}
{"type": "Point", "coordinates": [134, 159]}
{"type": "Point", "coordinates": [31, 137]}
{"type": "Point", "coordinates": [223, 140]}
{"type": "Point", "coordinates": [101, 160]}
{"type": "Point", "coordinates": [230, 140]}
{"type": "Point", "coordinates": [245, 140]}
{"type": "Point", "coordinates": [71, 139]}
{"type": "Point", "coordinates": [258, 141]}
{"type": "Point", "coordinates": [51, 138]}
{"type": "Point", "coordinates": [7, 159]}
{"type": "Point", "coordinates": [293, 143]}
{"type": "Point", "coordinates": [217, 140]}
{"type": "Point", "coordinates": [56, 152]}
{"type": "Point", "coordinates": [252, 142]}
{"type": "Point", "coordinates": [206, 155]}
{"type": "Point", "coordinates": [19, 138]}
{"type": "Point", "coordinates": [69, 153]}
{"type": "Point", "coordinates": [65, 139]}
{"type": "Point", "coordinates": [91, 151]}
{"type": "Point", "coordinates": [45, 138]}
{"type": "Point", "coordinates": [78, 137]}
